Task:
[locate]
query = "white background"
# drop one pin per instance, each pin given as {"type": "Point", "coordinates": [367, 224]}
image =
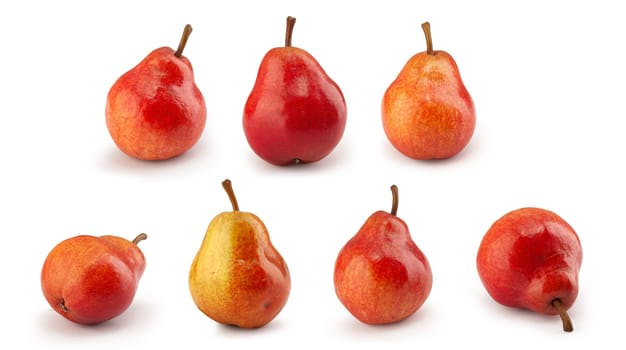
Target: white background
{"type": "Point", "coordinates": [548, 85]}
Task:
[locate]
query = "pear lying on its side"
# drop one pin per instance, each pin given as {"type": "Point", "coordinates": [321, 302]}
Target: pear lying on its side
{"type": "Point", "coordinates": [530, 259]}
{"type": "Point", "coordinates": [238, 277]}
{"type": "Point", "coordinates": [92, 279]}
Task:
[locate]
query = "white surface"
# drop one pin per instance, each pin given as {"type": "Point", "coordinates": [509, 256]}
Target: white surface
{"type": "Point", "coordinates": [547, 82]}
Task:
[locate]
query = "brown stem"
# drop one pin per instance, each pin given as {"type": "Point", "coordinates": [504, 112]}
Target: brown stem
{"type": "Point", "coordinates": [429, 38]}
{"type": "Point", "coordinates": [394, 202]}
{"type": "Point", "coordinates": [567, 321]}
{"type": "Point", "coordinates": [291, 21]}
{"type": "Point", "coordinates": [140, 238]}
{"type": "Point", "coordinates": [228, 187]}
{"type": "Point", "coordinates": [183, 41]}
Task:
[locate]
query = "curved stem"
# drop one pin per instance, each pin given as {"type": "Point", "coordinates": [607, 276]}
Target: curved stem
{"type": "Point", "coordinates": [567, 321]}
{"type": "Point", "coordinates": [291, 21]}
{"type": "Point", "coordinates": [228, 187]}
{"type": "Point", "coordinates": [140, 238]}
{"type": "Point", "coordinates": [183, 41]}
{"type": "Point", "coordinates": [429, 38]}
{"type": "Point", "coordinates": [394, 203]}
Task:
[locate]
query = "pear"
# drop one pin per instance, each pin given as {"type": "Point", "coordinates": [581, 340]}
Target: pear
{"type": "Point", "coordinates": [381, 276]}
{"type": "Point", "coordinates": [155, 111]}
{"type": "Point", "coordinates": [530, 259]}
{"type": "Point", "coordinates": [237, 276]}
{"type": "Point", "coordinates": [295, 112]}
{"type": "Point", "coordinates": [427, 112]}
{"type": "Point", "coordinates": [92, 279]}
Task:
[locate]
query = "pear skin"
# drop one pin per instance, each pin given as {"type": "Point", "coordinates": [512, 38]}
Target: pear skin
{"type": "Point", "coordinates": [427, 112]}
{"type": "Point", "coordinates": [237, 276]}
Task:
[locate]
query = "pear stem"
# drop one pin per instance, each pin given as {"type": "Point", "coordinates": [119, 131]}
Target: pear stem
{"type": "Point", "coordinates": [228, 187]}
{"type": "Point", "coordinates": [291, 22]}
{"type": "Point", "coordinates": [429, 38]}
{"type": "Point", "coordinates": [395, 199]}
{"type": "Point", "coordinates": [183, 41]}
{"type": "Point", "coordinates": [140, 238]}
{"type": "Point", "coordinates": [567, 321]}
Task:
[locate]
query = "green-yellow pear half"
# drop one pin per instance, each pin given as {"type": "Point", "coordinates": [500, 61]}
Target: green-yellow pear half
{"type": "Point", "coordinates": [237, 276]}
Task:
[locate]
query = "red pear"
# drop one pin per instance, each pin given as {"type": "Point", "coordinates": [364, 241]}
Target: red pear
{"type": "Point", "coordinates": [89, 279]}
{"type": "Point", "coordinates": [381, 276]}
{"type": "Point", "coordinates": [155, 111]}
{"type": "Point", "coordinates": [295, 112]}
{"type": "Point", "coordinates": [530, 259]}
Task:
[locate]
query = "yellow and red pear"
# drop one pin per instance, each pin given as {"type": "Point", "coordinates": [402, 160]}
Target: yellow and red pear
{"type": "Point", "coordinates": [237, 276]}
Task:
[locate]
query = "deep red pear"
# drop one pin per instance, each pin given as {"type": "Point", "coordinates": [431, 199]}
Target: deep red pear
{"type": "Point", "coordinates": [381, 276]}
{"type": "Point", "coordinates": [427, 112]}
{"type": "Point", "coordinates": [155, 111]}
{"type": "Point", "coordinates": [89, 279]}
{"type": "Point", "coordinates": [530, 259]}
{"type": "Point", "coordinates": [295, 112]}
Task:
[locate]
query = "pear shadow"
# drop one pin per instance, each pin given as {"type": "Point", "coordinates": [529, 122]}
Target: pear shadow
{"type": "Point", "coordinates": [470, 151]}
{"type": "Point", "coordinates": [517, 317]}
{"type": "Point", "coordinates": [236, 331]}
{"type": "Point", "coordinates": [523, 315]}
{"type": "Point", "coordinates": [359, 331]}
{"type": "Point", "coordinates": [337, 158]}
{"type": "Point", "coordinates": [114, 160]}
{"type": "Point", "coordinates": [55, 325]}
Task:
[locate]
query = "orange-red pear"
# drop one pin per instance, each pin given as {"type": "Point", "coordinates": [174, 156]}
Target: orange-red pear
{"type": "Point", "coordinates": [427, 112]}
